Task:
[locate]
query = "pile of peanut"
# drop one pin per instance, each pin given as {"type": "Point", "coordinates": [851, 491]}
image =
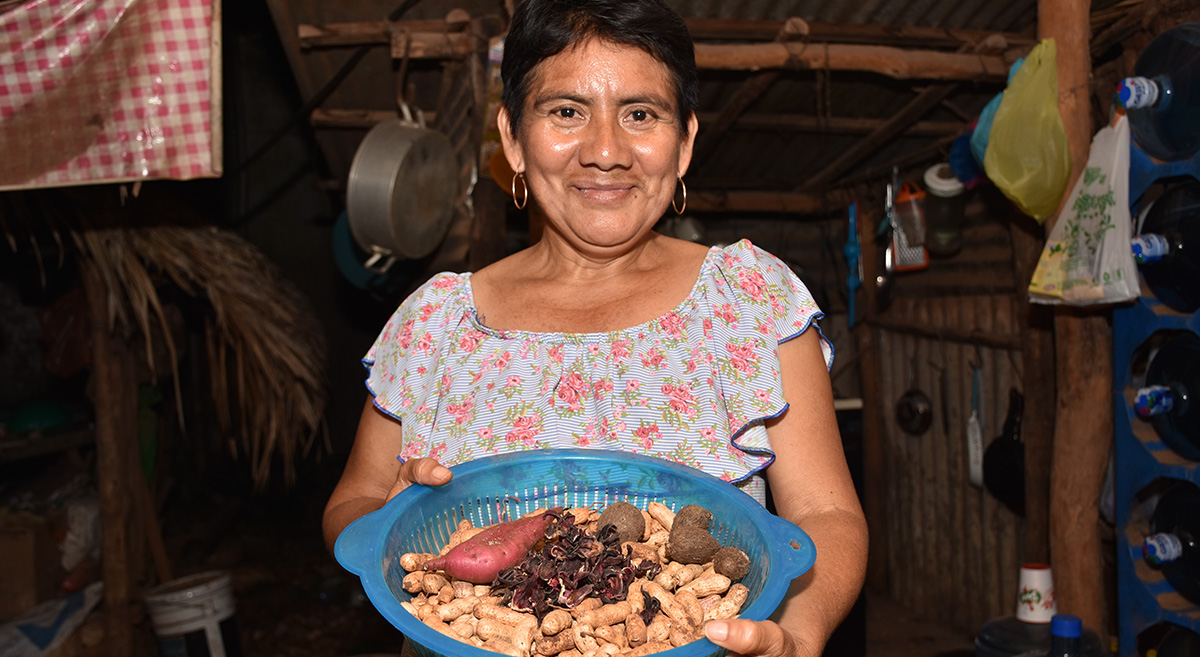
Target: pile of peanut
{"type": "Point", "coordinates": [690, 595]}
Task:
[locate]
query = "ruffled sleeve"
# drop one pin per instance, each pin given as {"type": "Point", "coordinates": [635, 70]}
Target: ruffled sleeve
{"type": "Point", "coordinates": [756, 303]}
{"type": "Point", "coordinates": [403, 363]}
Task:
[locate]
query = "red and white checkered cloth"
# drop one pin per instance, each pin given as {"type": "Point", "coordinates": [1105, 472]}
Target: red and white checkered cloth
{"type": "Point", "coordinates": [95, 91]}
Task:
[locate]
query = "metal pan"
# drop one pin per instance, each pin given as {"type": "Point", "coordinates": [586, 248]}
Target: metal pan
{"type": "Point", "coordinates": [401, 192]}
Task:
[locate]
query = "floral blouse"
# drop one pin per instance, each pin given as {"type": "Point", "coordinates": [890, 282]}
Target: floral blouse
{"type": "Point", "coordinates": [692, 386]}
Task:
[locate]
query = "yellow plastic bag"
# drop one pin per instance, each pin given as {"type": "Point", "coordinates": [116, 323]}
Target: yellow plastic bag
{"type": "Point", "coordinates": [1027, 155]}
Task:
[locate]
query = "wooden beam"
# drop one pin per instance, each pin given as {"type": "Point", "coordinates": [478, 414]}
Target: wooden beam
{"type": "Point", "coordinates": [114, 397]}
{"type": "Point", "coordinates": [979, 337]}
{"type": "Point", "coordinates": [368, 32]}
{"type": "Point", "coordinates": [892, 62]}
{"type": "Point", "coordinates": [916, 108]}
{"type": "Point", "coordinates": [751, 201]}
{"type": "Point", "coordinates": [746, 95]}
{"type": "Point", "coordinates": [1036, 325]}
{"type": "Point", "coordinates": [891, 35]}
{"type": "Point", "coordinates": [831, 125]}
{"type": "Point", "coordinates": [439, 44]}
{"type": "Point", "coordinates": [875, 462]}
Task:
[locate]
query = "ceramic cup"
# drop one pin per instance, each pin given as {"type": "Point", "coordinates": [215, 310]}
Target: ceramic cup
{"type": "Point", "coordinates": [1035, 594]}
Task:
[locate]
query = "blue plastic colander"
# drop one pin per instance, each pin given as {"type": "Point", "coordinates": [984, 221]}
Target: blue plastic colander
{"type": "Point", "coordinates": [497, 488]}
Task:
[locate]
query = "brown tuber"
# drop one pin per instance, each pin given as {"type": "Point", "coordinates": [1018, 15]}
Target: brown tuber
{"type": "Point", "coordinates": [731, 562]}
{"type": "Point", "coordinates": [693, 515]}
{"type": "Point", "coordinates": [690, 544]}
{"type": "Point", "coordinates": [626, 517]}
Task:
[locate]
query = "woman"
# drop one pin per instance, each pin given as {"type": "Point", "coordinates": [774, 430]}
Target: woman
{"type": "Point", "coordinates": [605, 334]}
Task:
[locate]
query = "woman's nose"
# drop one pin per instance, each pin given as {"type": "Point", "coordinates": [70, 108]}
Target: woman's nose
{"type": "Point", "coordinates": [605, 145]}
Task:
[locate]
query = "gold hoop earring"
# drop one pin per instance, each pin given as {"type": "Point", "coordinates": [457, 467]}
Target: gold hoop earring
{"type": "Point", "coordinates": [679, 210]}
{"type": "Point", "coordinates": [524, 189]}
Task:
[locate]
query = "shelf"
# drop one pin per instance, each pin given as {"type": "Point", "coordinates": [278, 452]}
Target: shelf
{"type": "Point", "coordinates": [16, 447]}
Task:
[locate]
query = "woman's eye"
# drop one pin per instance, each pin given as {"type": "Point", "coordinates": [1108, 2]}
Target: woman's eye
{"type": "Point", "coordinates": [639, 115]}
{"type": "Point", "coordinates": [566, 112]}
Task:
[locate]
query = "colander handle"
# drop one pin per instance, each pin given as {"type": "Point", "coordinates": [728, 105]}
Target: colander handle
{"type": "Point", "coordinates": [354, 548]}
{"type": "Point", "coordinates": [795, 552]}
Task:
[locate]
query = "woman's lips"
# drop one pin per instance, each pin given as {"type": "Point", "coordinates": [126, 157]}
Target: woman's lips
{"type": "Point", "coordinates": [604, 193]}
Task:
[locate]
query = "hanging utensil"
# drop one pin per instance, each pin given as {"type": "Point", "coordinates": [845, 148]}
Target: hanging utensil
{"type": "Point", "coordinates": [914, 410]}
{"type": "Point", "coordinates": [1004, 460]}
{"type": "Point", "coordinates": [975, 432]}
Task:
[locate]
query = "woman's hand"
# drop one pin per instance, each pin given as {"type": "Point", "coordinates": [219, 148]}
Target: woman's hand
{"type": "Point", "coordinates": [756, 639]}
{"type": "Point", "coordinates": [425, 471]}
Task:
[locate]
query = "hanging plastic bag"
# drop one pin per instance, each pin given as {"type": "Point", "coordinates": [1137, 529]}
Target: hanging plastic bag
{"type": "Point", "coordinates": [1027, 155]}
{"type": "Point", "coordinates": [983, 125]}
{"type": "Point", "coordinates": [1087, 258]}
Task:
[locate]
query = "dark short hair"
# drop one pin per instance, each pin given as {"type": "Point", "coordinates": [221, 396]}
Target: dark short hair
{"type": "Point", "coordinates": [541, 29]}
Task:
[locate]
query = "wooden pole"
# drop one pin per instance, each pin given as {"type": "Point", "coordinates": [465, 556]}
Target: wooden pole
{"type": "Point", "coordinates": [1035, 323]}
{"type": "Point", "coordinates": [875, 480]}
{"type": "Point", "coordinates": [1084, 415]}
{"type": "Point", "coordinates": [114, 397]}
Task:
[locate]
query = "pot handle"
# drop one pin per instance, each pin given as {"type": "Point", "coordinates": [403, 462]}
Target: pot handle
{"type": "Point", "coordinates": [354, 548]}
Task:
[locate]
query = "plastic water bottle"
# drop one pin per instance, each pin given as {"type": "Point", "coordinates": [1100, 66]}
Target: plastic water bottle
{"type": "Point", "coordinates": [1167, 244]}
{"type": "Point", "coordinates": [1168, 399]}
{"type": "Point", "coordinates": [1173, 543]}
{"type": "Point", "coordinates": [1162, 99]}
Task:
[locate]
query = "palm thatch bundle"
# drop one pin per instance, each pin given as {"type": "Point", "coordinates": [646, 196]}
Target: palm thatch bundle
{"type": "Point", "coordinates": [266, 351]}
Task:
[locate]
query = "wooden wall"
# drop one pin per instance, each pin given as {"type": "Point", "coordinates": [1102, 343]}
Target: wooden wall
{"type": "Point", "coordinates": [954, 551]}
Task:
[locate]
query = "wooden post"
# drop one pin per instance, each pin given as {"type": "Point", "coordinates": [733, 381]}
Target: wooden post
{"type": "Point", "coordinates": [1084, 417]}
{"type": "Point", "coordinates": [874, 475]}
{"type": "Point", "coordinates": [114, 397]}
{"type": "Point", "coordinates": [1035, 323]}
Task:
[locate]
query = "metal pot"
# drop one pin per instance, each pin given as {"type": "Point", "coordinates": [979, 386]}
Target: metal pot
{"type": "Point", "coordinates": [401, 192]}
{"type": "Point", "coordinates": [914, 412]}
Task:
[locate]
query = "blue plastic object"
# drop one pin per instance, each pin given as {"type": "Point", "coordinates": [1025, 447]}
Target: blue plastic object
{"type": "Point", "coordinates": [497, 488]}
{"type": "Point", "coordinates": [852, 250]}
{"type": "Point", "coordinates": [1066, 625]}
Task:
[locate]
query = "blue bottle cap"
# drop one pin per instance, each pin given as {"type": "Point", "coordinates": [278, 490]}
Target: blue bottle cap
{"type": "Point", "coordinates": [1066, 625]}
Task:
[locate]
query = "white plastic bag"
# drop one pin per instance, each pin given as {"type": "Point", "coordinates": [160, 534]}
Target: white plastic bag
{"type": "Point", "coordinates": [1087, 259]}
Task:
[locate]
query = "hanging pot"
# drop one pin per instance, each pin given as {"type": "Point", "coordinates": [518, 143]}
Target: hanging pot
{"type": "Point", "coordinates": [401, 192]}
{"type": "Point", "coordinates": [1004, 460]}
{"type": "Point", "coordinates": [914, 412]}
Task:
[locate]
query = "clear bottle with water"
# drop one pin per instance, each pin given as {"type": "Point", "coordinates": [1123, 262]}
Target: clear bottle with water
{"type": "Point", "coordinates": [1162, 98]}
{"type": "Point", "coordinates": [1174, 542]}
{"type": "Point", "coordinates": [1167, 398]}
{"type": "Point", "coordinates": [1167, 244]}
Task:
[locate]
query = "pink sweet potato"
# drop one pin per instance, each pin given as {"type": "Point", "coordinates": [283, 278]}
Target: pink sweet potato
{"type": "Point", "coordinates": [502, 545]}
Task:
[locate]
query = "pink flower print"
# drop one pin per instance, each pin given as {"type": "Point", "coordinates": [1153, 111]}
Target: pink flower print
{"type": "Point", "coordinates": [444, 384]}
{"type": "Point", "coordinates": [593, 349]}
{"type": "Point", "coordinates": [421, 370]}
{"type": "Point", "coordinates": [725, 313]}
{"type": "Point", "coordinates": [646, 435]}
{"type": "Point", "coordinates": [485, 434]}
{"type": "Point", "coordinates": [752, 283]}
{"type": "Point", "coordinates": [620, 349]}
{"type": "Point", "coordinates": [632, 385]}
{"type": "Point", "coordinates": [470, 341]}
{"type": "Point", "coordinates": [425, 343]}
{"type": "Point", "coordinates": [690, 366]}
{"type": "Point", "coordinates": [427, 311]}
{"type": "Point", "coordinates": [707, 324]}
{"type": "Point", "coordinates": [762, 395]}
{"type": "Point", "coordinates": [731, 260]}
{"type": "Point", "coordinates": [461, 412]}
{"type": "Point", "coordinates": [680, 399]}
{"type": "Point", "coordinates": [512, 381]}
{"type": "Point", "coordinates": [437, 451]}
{"type": "Point", "coordinates": [444, 283]}
{"type": "Point", "coordinates": [708, 433]}
{"type": "Point", "coordinates": [725, 476]}
{"type": "Point", "coordinates": [502, 360]}
{"type": "Point", "coordinates": [672, 324]}
{"type": "Point", "coordinates": [741, 356]}
{"type": "Point", "coordinates": [652, 359]}
{"type": "Point", "coordinates": [570, 389]}
{"type": "Point", "coordinates": [556, 354]}
{"type": "Point", "coordinates": [764, 328]}
{"type": "Point", "coordinates": [406, 334]}
{"type": "Point", "coordinates": [777, 307]}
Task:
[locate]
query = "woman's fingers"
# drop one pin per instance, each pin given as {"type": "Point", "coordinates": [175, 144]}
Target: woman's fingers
{"type": "Point", "coordinates": [752, 639]}
{"type": "Point", "coordinates": [425, 471]}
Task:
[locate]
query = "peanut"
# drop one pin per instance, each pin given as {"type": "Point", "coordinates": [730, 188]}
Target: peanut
{"type": "Point", "coordinates": [730, 605]}
{"type": "Point", "coordinates": [412, 582]}
{"type": "Point", "coordinates": [635, 629]}
{"type": "Point", "coordinates": [662, 513]}
{"type": "Point", "coordinates": [606, 615]}
{"type": "Point", "coordinates": [553, 645]}
{"type": "Point", "coordinates": [555, 622]}
{"type": "Point", "coordinates": [413, 561]}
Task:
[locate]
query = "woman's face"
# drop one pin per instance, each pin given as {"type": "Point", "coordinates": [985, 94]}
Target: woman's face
{"type": "Point", "coordinates": [600, 145]}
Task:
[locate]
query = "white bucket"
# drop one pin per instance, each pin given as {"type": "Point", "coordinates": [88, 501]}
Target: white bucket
{"type": "Point", "coordinates": [193, 616]}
